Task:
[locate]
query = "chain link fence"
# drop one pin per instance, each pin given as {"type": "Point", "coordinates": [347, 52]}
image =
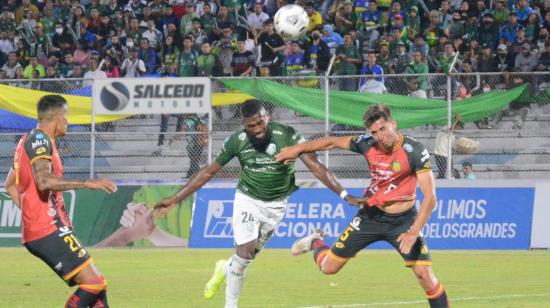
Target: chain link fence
{"type": "Point", "coordinates": [511, 143]}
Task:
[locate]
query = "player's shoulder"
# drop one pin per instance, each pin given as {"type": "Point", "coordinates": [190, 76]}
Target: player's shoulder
{"type": "Point", "coordinates": [411, 145]}
{"type": "Point", "coordinates": [238, 136]}
{"type": "Point", "coordinates": [37, 138]}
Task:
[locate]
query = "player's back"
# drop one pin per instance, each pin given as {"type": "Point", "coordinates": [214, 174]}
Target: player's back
{"type": "Point", "coordinates": [43, 212]}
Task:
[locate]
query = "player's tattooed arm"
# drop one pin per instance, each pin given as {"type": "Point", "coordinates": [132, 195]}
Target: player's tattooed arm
{"type": "Point", "coordinates": [45, 181]}
{"type": "Point", "coordinates": [319, 144]}
{"type": "Point", "coordinates": [11, 187]}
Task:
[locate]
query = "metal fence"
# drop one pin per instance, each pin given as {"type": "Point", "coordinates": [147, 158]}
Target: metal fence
{"type": "Point", "coordinates": [512, 143]}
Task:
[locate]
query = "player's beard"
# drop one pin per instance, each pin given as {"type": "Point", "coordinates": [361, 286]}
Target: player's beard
{"type": "Point", "coordinates": [260, 144]}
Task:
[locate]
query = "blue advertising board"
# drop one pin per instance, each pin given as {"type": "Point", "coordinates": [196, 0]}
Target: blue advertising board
{"type": "Point", "coordinates": [464, 218]}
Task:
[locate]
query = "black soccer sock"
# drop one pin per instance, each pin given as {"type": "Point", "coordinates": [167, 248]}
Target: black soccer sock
{"type": "Point", "coordinates": [437, 297]}
{"type": "Point", "coordinates": [101, 301]}
{"type": "Point", "coordinates": [320, 251]}
{"type": "Point", "coordinates": [82, 298]}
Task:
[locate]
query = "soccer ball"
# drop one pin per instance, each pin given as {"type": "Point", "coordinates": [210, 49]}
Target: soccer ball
{"type": "Point", "coordinates": [291, 21]}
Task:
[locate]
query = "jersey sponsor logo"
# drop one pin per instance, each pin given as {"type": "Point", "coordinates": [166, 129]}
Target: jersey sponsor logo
{"type": "Point", "coordinates": [277, 132]}
{"type": "Point", "coordinates": [271, 149]}
{"type": "Point", "coordinates": [247, 151]}
{"type": "Point", "coordinates": [58, 266]}
{"type": "Point", "coordinates": [40, 150]}
{"type": "Point", "coordinates": [408, 147]}
{"type": "Point", "coordinates": [40, 143]}
{"type": "Point", "coordinates": [51, 212]}
{"type": "Point", "coordinates": [218, 223]}
{"type": "Point", "coordinates": [355, 222]}
{"type": "Point", "coordinates": [242, 136]}
{"type": "Point", "coordinates": [396, 166]}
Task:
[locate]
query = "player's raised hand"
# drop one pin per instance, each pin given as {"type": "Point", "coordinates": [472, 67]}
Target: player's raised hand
{"type": "Point", "coordinates": [164, 205]}
{"type": "Point", "coordinates": [406, 240]}
{"type": "Point", "coordinates": [101, 184]}
{"type": "Point", "coordinates": [288, 154]}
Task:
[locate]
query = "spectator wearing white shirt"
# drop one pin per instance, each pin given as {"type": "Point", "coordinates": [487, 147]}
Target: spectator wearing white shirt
{"type": "Point", "coordinates": [11, 66]}
{"type": "Point", "coordinates": [133, 67]}
{"type": "Point", "coordinates": [257, 18]}
{"type": "Point", "coordinates": [153, 35]}
{"type": "Point", "coordinates": [7, 44]}
{"type": "Point", "coordinates": [94, 72]}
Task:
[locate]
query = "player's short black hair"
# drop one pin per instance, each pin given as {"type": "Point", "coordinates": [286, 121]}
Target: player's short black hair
{"type": "Point", "coordinates": [49, 103]}
{"type": "Point", "coordinates": [375, 113]}
{"type": "Point", "coordinates": [251, 107]}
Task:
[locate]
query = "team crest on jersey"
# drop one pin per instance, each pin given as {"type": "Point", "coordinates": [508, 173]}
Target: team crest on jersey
{"type": "Point", "coordinates": [271, 149]}
{"type": "Point", "coordinates": [408, 147]}
{"type": "Point", "coordinates": [396, 166]}
{"type": "Point", "coordinates": [242, 136]}
{"type": "Point", "coordinates": [51, 212]}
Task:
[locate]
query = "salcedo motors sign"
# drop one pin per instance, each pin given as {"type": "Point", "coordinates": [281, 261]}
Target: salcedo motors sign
{"type": "Point", "coordinates": [151, 95]}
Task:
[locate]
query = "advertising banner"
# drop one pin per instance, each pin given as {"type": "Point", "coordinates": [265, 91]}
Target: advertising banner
{"type": "Point", "coordinates": [123, 218]}
{"type": "Point", "coordinates": [464, 218]}
{"type": "Point", "coordinates": [151, 95]}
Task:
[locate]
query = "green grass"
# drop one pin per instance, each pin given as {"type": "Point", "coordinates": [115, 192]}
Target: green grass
{"type": "Point", "coordinates": [176, 277]}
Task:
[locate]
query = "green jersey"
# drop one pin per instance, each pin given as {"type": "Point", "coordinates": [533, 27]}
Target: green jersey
{"type": "Point", "coordinates": [261, 177]}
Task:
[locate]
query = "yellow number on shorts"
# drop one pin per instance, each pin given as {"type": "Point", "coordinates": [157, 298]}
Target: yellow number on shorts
{"type": "Point", "coordinates": [74, 245]}
{"type": "Point", "coordinates": [345, 236]}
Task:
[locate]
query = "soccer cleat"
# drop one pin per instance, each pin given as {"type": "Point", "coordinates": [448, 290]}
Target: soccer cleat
{"type": "Point", "coordinates": [213, 285]}
{"type": "Point", "coordinates": [303, 245]}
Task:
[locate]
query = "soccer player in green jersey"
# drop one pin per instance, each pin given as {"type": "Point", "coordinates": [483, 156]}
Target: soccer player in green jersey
{"type": "Point", "coordinates": [262, 192]}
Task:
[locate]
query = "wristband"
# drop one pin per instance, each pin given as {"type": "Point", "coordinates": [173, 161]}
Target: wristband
{"type": "Point", "coordinates": [344, 194]}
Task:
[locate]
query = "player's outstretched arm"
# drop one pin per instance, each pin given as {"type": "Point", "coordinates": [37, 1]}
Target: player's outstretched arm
{"type": "Point", "coordinates": [426, 183]}
{"type": "Point", "coordinates": [319, 144]}
{"type": "Point", "coordinates": [195, 183]}
{"type": "Point", "coordinates": [11, 187]}
{"type": "Point", "coordinates": [327, 177]}
{"type": "Point", "coordinates": [45, 181]}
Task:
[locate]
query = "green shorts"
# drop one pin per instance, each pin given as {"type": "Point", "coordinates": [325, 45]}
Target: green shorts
{"type": "Point", "coordinates": [371, 225]}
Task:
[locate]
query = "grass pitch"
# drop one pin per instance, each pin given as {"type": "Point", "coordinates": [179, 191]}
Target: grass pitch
{"type": "Point", "coordinates": [176, 277]}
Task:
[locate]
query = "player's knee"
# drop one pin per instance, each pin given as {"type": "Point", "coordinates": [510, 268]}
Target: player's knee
{"type": "Point", "coordinates": [329, 270]}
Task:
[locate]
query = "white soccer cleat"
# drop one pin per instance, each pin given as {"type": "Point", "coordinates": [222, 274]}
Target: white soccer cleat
{"type": "Point", "coordinates": [303, 245]}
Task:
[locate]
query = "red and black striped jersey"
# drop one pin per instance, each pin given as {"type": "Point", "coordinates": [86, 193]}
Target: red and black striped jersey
{"type": "Point", "coordinates": [393, 174]}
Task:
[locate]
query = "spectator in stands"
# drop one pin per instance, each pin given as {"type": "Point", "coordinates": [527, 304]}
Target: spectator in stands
{"type": "Point", "coordinates": [420, 45]}
{"type": "Point", "coordinates": [257, 18]}
{"type": "Point", "coordinates": [11, 65]}
{"type": "Point", "coordinates": [317, 53]}
{"type": "Point", "coordinates": [413, 22]}
{"type": "Point", "coordinates": [271, 45]}
{"type": "Point", "coordinates": [34, 66]}
{"type": "Point", "coordinates": [348, 60]}
{"type": "Point", "coordinates": [149, 56]}
{"type": "Point", "coordinates": [94, 72]}
{"type": "Point", "coordinates": [500, 12]}
{"type": "Point", "coordinates": [186, 22]}
{"type": "Point", "coordinates": [209, 22]}
{"type": "Point", "coordinates": [294, 60]}
{"type": "Point", "coordinates": [376, 83]}
{"type": "Point", "coordinates": [7, 20]}
{"type": "Point", "coordinates": [110, 69]}
{"type": "Point", "coordinates": [532, 27]}
{"type": "Point", "coordinates": [315, 19]}
{"type": "Point", "coordinates": [187, 59]}
{"type": "Point", "coordinates": [208, 64]}
{"type": "Point", "coordinates": [418, 67]}
{"type": "Point", "coordinates": [467, 171]}
{"type": "Point", "coordinates": [372, 16]}
{"type": "Point", "coordinates": [7, 45]}
{"type": "Point", "coordinates": [434, 30]}
{"type": "Point", "coordinates": [61, 40]}
{"type": "Point", "coordinates": [383, 59]}
{"type": "Point", "coordinates": [526, 61]}
{"type": "Point", "coordinates": [26, 6]}
{"type": "Point", "coordinates": [510, 29]}
{"type": "Point", "coordinates": [153, 36]}
{"type": "Point", "coordinates": [346, 18]}
{"type": "Point", "coordinates": [544, 60]}
{"type": "Point", "coordinates": [243, 60]}
{"type": "Point", "coordinates": [488, 32]}
{"type": "Point", "coordinates": [441, 147]}
{"type": "Point", "coordinates": [522, 11]}
{"type": "Point", "coordinates": [134, 66]}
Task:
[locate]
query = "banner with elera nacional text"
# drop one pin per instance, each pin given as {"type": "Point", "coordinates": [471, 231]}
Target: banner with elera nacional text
{"type": "Point", "coordinates": [151, 95]}
{"type": "Point", "coordinates": [464, 218]}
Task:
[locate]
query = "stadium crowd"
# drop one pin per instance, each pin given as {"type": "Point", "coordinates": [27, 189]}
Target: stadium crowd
{"type": "Point", "coordinates": [121, 38]}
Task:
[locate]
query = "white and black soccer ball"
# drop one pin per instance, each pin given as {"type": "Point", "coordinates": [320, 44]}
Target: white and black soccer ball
{"type": "Point", "coordinates": [291, 21]}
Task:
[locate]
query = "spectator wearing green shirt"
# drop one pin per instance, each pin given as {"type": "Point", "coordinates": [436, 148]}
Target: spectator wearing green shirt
{"type": "Point", "coordinates": [208, 64]}
{"type": "Point", "coordinates": [349, 58]}
{"type": "Point", "coordinates": [34, 66]}
{"type": "Point", "coordinates": [418, 66]}
{"type": "Point", "coordinates": [501, 12]}
{"type": "Point", "coordinates": [187, 59]}
{"type": "Point", "coordinates": [186, 21]}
